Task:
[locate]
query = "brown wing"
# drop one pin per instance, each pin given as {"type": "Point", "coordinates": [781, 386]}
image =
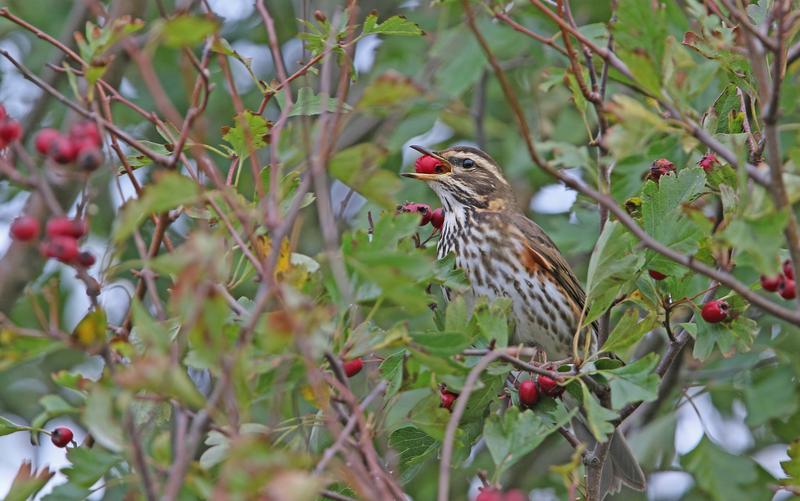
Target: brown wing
{"type": "Point", "coordinates": [542, 252]}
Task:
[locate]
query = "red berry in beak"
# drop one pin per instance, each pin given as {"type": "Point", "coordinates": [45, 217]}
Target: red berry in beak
{"type": "Point", "coordinates": [61, 436]}
{"type": "Point", "coordinates": [25, 228]}
{"type": "Point", "coordinates": [528, 393]}
{"type": "Point", "coordinates": [715, 311]}
{"type": "Point", "coordinates": [426, 164]}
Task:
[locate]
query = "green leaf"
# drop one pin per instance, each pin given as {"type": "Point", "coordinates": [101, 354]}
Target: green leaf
{"type": "Point", "coordinates": [392, 369]}
{"type": "Point", "coordinates": [768, 396]}
{"type": "Point", "coordinates": [98, 416]}
{"type": "Point", "coordinates": [187, 30]}
{"type": "Point", "coordinates": [27, 482]}
{"type": "Point", "coordinates": [307, 103]}
{"type": "Point", "coordinates": [629, 330]}
{"type": "Point", "coordinates": [412, 444]}
{"type": "Point", "coordinates": [7, 427]}
{"type": "Point", "coordinates": [442, 343]}
{"type": "Point", "coordinates": [611, 267]}
{"type": "Point", "coordinates": [792, 466]}
{"type": "Point", "coordinates": [511, 435]}
{"type": "Point", "coordinates": [598, 418]}
{"type": "Point", "coordinates": [737, 334]}
{"type": "Point", "coordinates": [395, 25]}
{"type": "Point", "coordinates": [168, 192]}
{"type": "Point", "coordinates": [761, 238]}
{"type": "Point", "coordinates": [89, 465]}
{"type": "Point", "coordinates": [358, 168]}
{"type": "Point", "coordinates": [634, 382]}
{"type": "Point", "coordinates": [248, 135]}
{"type": "Point", "coordinates": [389, 89]}
{"type": "Point", "coordinates": [719, 474]}
{"type": "Point", "coordinates": [663, 217]}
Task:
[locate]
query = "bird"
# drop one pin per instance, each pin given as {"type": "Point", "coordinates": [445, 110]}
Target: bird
{"type": "Point", "coordinates": [504, 254]}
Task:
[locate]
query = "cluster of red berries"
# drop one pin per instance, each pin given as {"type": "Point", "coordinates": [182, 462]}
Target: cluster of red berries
{"type": "Point", "coordinates": [10, 129]}
{"type": "Point", "coordinates": [783, 283]}
{"type": "Point", "coordinates": [492, 494]}
{"type": "Point", "coordinates": [530, 391]}
{"type": "Point", "coordinates": [62, 234]}
{"type": "Point", "coordinates": [61, 436]}
{"type": "Point", "coordinates": [427, 164]}
{"type": "Point", "coordinates": [81, 146]}
{"type": "Point", "coordinates": [663, 166]}
{"type": "Point", "coordinates": [434, 217]}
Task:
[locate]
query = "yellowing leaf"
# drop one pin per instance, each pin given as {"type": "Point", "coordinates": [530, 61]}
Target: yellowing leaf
{"type": "Point", "coordinates": [91, 330]}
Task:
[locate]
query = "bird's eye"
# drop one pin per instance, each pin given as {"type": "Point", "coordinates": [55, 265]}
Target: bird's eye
{"type": "Point", "coordinates": [468, 163]}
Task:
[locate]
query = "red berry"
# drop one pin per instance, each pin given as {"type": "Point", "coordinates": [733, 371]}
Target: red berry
{"type": "Point", "coordinates": [515, 495]}
{"type": "Point", "coordinates": [771, 283]}
{"type": "Point", "coordinates": [528, 393]}
{"type": "Point", "coordinates": [788, 269]}
{"type": "Point", "coordinates": [44, 138]}
{"type": "Point", "coordinates": [89, 157]}
{"type": "Point", "coordinates": [10, 130]}
{"type": "Point", "coordinates": [25, 228]}
{"type": "Point", "coordinates": [86, 259]}
{"type": "Point", "coordinates": [437, 218]}
{"type": "Point", "coordinates": [659, 168]}
{"type": "Point", "coordinates": [446, 399]}
{"type": "Point", "coordinates": [656, 275]}
{"type": "Point", "coordinates": [61, 436]}
{"type": "Point", "coordinates": [550, 386]}
{"type": "Point", "coordinates": [62, 150]}
{"type": "Point", "coordinates": [85, 131]}
{"type": "Point", "coordinates": [353, 367]}
{"type": "Point", "coordinates": [426, 164]}
{"type": "Point", "coordinates": [788, 289]}
{"type": "Point", "coordinates": [489, 494]}
{"type": "Point", "coordinates": [63, 226]}
{"type": "Point", "coordinates": [65, 249]}
{"type": "Point", "coordinates": [3, 113]}
{"type": "Point", "coordinates": [423, 209]}
{"type": "Point", "coordinates": [708, 162]}
{"type": "Point", "coordinates": [715, 311]}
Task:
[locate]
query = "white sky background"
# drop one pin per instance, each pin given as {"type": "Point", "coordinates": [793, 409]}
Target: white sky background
{"type": "Point", "coordinates": [17, 95]}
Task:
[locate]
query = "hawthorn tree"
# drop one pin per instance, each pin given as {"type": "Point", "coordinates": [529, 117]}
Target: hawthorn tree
{"type": "Point", "coordinates": [211, 277]}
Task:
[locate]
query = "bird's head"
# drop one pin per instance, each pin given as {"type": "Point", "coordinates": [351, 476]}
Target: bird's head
{"type": "Point", "coordinates": [466, 177]}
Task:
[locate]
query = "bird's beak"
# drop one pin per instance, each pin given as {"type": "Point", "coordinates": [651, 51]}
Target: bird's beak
{"type": "Point", "coordinates": [446, 167]}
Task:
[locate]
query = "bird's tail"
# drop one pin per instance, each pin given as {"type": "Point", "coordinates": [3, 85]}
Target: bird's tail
{"type": "Point", "coordinates": [620, 466]}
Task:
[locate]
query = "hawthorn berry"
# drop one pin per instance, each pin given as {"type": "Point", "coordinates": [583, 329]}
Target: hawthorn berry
{"type": "Point", "coordinates": [86, 259]}
{"type": "Point", "coordinates": [61, 436]}
{"type": "Point", "coordinates": [437, 218]}
{"type": "Point", "coordinates": [427, 164]}
{"type": "Point", "coordinates": [788, 269]}
{"type": "Point", "coordinates": [44, 138]}
{"type": "Point", "coordinates": [65, 249]}
{"type": "Point", "coordinates": [423, 209]}
{"type": "Point", "coordinates": [25, 228]}
{"type": "Point", "coordinates": [85, 132]}
{"type": "Point", "coordinates": [771, 283]}
{"type": "Point", "coordinates": [708, 162]}
{"type": "Point", "coordinates": [659, 168]}
{"type": "Point", "coordinates": [788, 289]}
{"type": "Point", "coordinates": [550, 386]}
{"type": "Point", "coordinates": [528, 393]}
{"type": "Point", "coordinates": [715, 311]}
{"type": "Point", "coordinates": [62, 150]}
{"type": "Point", "coordinates": [10, 130]}
{"type": "Point", "coordinates": [63, 226]}
{"type": "Point", "coordinates": [353, 366]}
{"type": "Point", "coordinates": [489, 494]}
{"type": "Point", "coordinates": [446, 399]}
{"type": "Point", "coordinates": [89, 157]}
{"type": "Point", "coordinates": [656, 275]}
{"type": "Point", "coordinates": [3, 113]}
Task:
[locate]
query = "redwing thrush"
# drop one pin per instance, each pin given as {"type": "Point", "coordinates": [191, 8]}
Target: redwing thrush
{"type": "Point", "coordinates": [505, 254]}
